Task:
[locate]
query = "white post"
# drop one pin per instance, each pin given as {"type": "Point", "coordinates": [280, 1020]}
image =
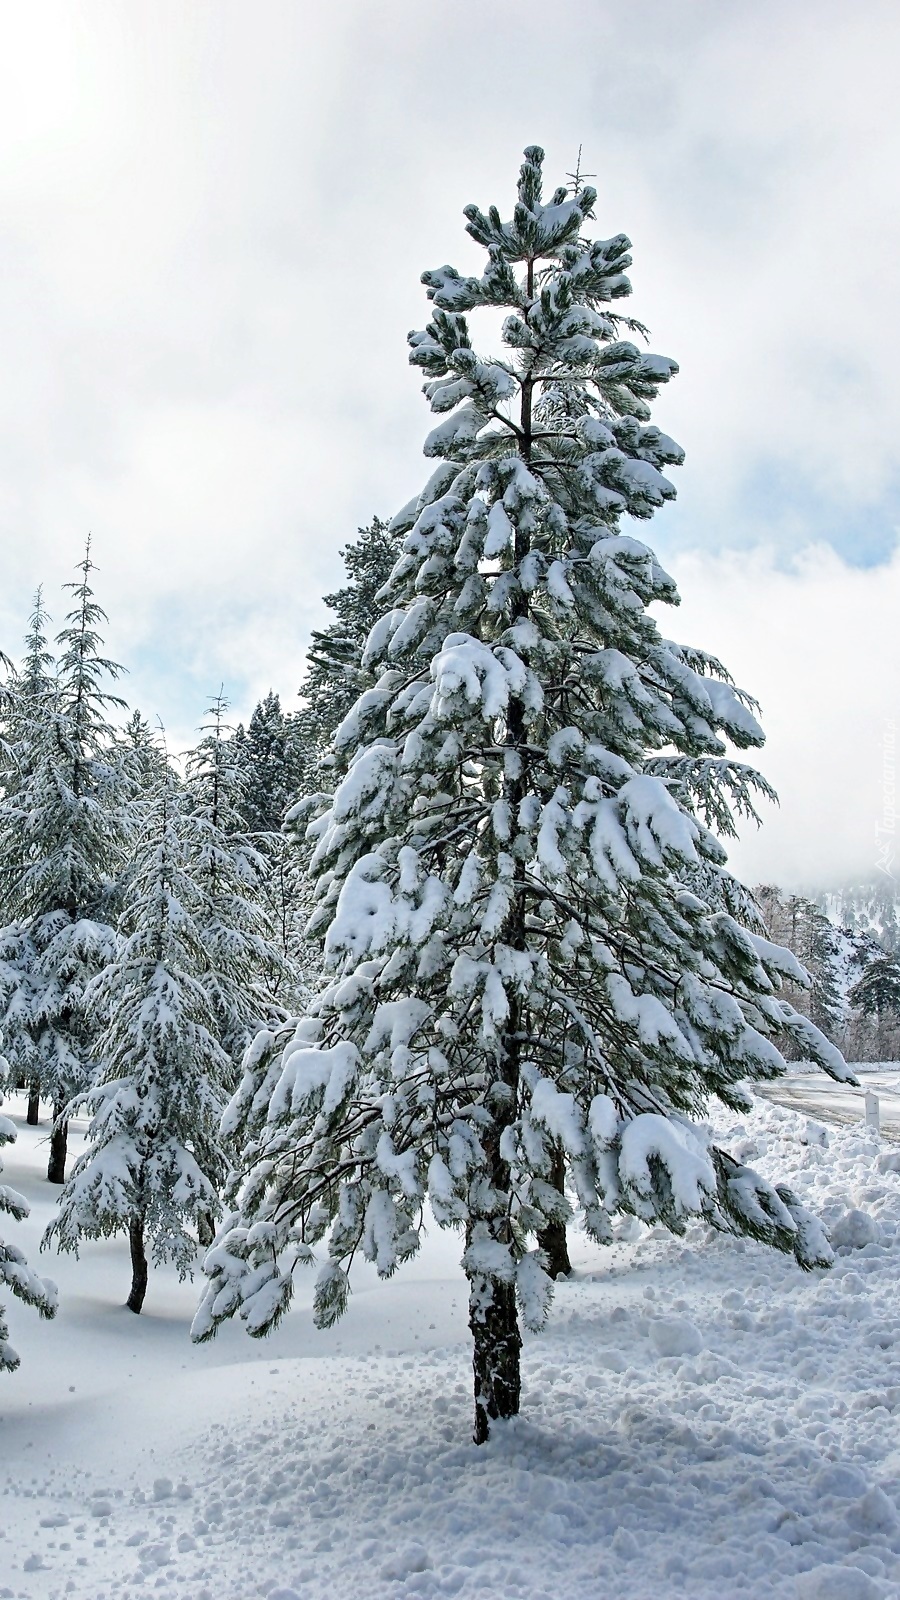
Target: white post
{"type": "Point", "coordinates": [873, 1111]}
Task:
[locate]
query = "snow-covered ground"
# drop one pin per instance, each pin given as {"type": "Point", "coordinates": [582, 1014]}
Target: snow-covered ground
{"type": "Point", "coordinates": [701, 1419]}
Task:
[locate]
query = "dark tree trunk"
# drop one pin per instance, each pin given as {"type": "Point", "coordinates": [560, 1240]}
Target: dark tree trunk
{"type": "Point", "coordinates": [138, 1265]}
{"type": "Point", "coordinates": [552, 1239]}
{"type": "Point", "coordinates": [493, 1317]}
{"type": "Point", "coordinates": [59, 1144]}
{"type": "Point", "coordinates": [206, 1229]}
{"type": "Point", "coordinates": [495, 1330]}
{"type": "Point", "coordinates": [34, 1106]}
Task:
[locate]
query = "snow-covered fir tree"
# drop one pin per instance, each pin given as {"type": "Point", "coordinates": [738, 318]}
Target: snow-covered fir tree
{"type": "Point", "coordinates": [63, 825]}
{"type": "Point", "coordinates": [877, 992]}
{"type": "Point", "coordinates": [269, 757]}
{"type": "Point", "coordinates": [875, 997]}
{"type": "Point", "coordinates": [27, 699]}
{"type": "Point", "coordinates": [246, 964]}
{"type": "Point", "coordinates": [802, 927]}
{"type": "Point", "coordinates": [26, 694]}
{"type": "Point", "coordinates": [15, 1273]}
{"type": "Point", "coordinates": [145, 760]}
{"type": "Point", "coordinates": [526, 925]}
{"type": "Point", "coordinates": [335, 675]}
{"type": "Point", "coordinates": [153, 1163]}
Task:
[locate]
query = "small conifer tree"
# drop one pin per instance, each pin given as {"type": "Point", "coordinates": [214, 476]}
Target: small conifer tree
{"type": "Point", "coordinates": [153, 1165]}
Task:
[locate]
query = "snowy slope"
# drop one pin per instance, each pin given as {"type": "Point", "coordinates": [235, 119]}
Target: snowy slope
{"type": "Point", "coordinates": [700, 1420]}
{"type": "Point", "coordinates": [869, 909]}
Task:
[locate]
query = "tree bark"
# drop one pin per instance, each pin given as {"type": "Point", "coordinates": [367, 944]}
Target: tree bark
{"type": "Point", "coordinates": [138, 1265]}
{"type": "Point", "coordinates": [34, 1105]}
{"type": "Point", "coordinates": [206, 1229]}
{"type": "Point", "coordinates": [493, 1317]}
{"type": "Point", "coordinates": [552, 1239]}
{"type": "Point", "coordinates": [59, 1144]}
{"type": "Point", "coordinates": [495, 1330]}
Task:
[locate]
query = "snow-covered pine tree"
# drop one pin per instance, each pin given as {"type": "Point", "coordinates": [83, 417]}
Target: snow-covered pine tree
{"type": "Point", "coordinates": [153, 1164]}
{"type": "Point", "coordinates": [820, 957]}
{"type": "Point", "coordinates": [802, 927]}
{"type": "Point", "coordinates": [335, 676]}
{"type": "Point", "coordinates": [246, 966]}
{"type": "Point", "coordinates": [269, 755]}
{"type": "Point", "coordinates": [63, 823]}
{"type": "Point", "coordinates": [15, 1273]}
{"type": "Point", "coordinates": [878, 990]}
{"type": "Point", "coordinates": [26, 694]}
{"type": "Point", "coordinates": [27, 701]}
{"type": "Point", "coordinates": [145, 762]}
{"type": "Point", "coordinates": [876, 998]}
{"type": "Point", "coordinates": [525, 927]}
{"type": "Point", "coordinates": [270, 760]}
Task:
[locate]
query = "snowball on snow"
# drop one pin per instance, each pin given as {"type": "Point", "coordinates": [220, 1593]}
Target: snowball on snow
{"type": "Point", "coordinates": [837, 1583]}
{"type": "Point", "coordinates": [854, 1230]}
{"type": "Point", "coordinates": [673, 1336]}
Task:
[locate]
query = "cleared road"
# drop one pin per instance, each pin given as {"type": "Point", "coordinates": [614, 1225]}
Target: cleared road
{"type": "Point", "coordinates": [821, 1097]}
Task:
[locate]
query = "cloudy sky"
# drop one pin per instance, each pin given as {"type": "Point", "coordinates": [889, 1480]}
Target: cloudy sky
{"type": "Point", "coordinates": [213, 217]}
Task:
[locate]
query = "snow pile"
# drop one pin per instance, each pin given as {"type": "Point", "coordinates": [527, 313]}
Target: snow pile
{"type": "Point", "coordinates": [700, 1419]}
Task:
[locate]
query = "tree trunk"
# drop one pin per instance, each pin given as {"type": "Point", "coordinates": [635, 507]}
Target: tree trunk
{"type": "Point", "coordinates": [495, 1329]}
{"type": "Point", "coordinates": [34, 1105]}
{"type": "Point", "coordinates": [138, 1265]}
{"type": "Point", "coordinates": [552, 1239]}
{"type": "Point", "coordinates": [493, 1318]}
{"type": "Point", "coordinates": [59, 1144]}
{"type": "Point", "coordinates": [206, 1229]}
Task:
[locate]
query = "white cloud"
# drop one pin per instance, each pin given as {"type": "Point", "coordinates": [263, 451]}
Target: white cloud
{"type": "Point", "coordinates": [817, 645]}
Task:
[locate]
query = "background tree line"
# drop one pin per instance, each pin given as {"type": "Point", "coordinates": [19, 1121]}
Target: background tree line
{"type": "Point", "coordinates": [152, 916]}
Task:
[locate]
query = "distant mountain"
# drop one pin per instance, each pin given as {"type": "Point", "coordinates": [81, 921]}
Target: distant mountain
{"type": "Point", "coordinates": [871, 908]}
{"type": "Point", "coordinates": [839, 935]}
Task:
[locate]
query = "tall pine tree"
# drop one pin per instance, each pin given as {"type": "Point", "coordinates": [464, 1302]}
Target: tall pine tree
{"type": "Point", "coordinates": [63, 823]}
{"type": "Point", "coordinates": [526, 928]}
{"type": "Point", "coordinates": [876, 997]}
{"type": "Point", "coordinates": [28, 702]}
